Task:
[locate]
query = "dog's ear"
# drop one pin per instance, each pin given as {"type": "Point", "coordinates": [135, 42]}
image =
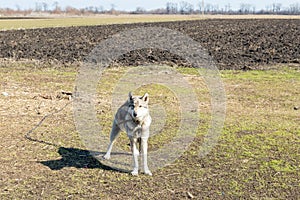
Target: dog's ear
{"type": "Point", "coordinates": [145, 97]}
{"type": "Point", "coordinates": [130, 97]}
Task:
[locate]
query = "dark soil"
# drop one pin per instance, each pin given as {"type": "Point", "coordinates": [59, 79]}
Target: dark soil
{"type": "Point", "coordinates": [234, 44]}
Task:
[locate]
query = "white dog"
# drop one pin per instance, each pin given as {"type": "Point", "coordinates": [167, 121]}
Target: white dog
{"type": "Point", "coordinates": [133, 117]}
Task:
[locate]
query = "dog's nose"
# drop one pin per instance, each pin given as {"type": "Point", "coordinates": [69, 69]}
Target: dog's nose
{"type": "Point", "coordinates": [134, 114]}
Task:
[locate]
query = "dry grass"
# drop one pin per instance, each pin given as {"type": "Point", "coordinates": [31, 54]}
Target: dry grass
{"type": "Point", "coordinates": [8, 24]}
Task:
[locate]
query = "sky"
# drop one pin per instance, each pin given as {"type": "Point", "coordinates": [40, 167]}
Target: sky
{"type": "Point", "coordinates": [131, 5]}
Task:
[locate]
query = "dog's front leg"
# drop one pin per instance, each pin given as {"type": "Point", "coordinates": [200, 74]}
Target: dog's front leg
{"type": "Point", "coordinates": [144, 143]}
{"type": "Point", "coordinates": [135, 154]}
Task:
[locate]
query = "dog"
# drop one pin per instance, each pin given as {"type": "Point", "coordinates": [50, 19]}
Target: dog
{"type": "Point", "coordinates": [133, 117]}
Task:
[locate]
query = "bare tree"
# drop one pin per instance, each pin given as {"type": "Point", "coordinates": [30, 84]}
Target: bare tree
{"type": "Point", "coordinates": [99, 9]}
{"type": "Point", "coordinates": [18, 7]}
{"type": "Point", "coordinates": [201, 7]}
{"type": "Point", "coordinates": [186, 7]}
{"type": "Point", "coordinates": [55, 5]}
{"type": "Point", "coordinates": [171, 8]}
{"type": "Point", "coordinates": [295, 8]}
{"type": "Point", "coordinates": [113, 7]}
{"type": "Point", "coordinates": [208, 8]}
{"type": "Point", "coordinates": [45, 6]}
{"type": "Point", "coordinates": [215, 8]}
{"type": "Point", "coordinates": [227, 8]}
{"type": "Point", "coordinates": [253, 9]}
{"type": "Point", "coordinates": [278, 7]}
{"type": "Point", "coordinates": [38, 7]}
{"type": "Point", "coordinates": [245, 8]}
{"type": "Point", "coordinates": [56, 8]}
{"type": "Point", "coordinates": [140, 10]}
{"type": "Point", "coordinates": [72, 11]}
{"type": "Point", "coordinates": [275, 7]}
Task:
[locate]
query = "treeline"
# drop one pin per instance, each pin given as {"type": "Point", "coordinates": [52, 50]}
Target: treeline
{"type": "Point", "coordinates": [183, 7]}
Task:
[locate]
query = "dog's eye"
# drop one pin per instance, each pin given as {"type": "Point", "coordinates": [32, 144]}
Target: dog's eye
{"type": "Point", "coordinates": [140, 106]}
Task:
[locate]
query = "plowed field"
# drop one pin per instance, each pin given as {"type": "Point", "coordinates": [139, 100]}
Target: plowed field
{"type": "Point", "coordinates": [234, 44]}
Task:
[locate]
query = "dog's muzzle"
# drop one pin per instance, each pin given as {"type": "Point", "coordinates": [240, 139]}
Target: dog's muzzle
{"type": "Point", "coordinates": [134, 114]}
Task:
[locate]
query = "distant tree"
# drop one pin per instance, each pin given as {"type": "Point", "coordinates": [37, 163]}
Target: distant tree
{"type": "Point", "coordinates": [99, 9]}
{"type": "Point", "coordinates": [27, 12]}
{"type": "Point", "coordinates": [171, 8]}
{"type": "Point", "coordinates": [55, 5]}
{"type": "Point", "coordinates": [227, 8]}
{"type": "Point", "coordinates": [295, 8]}
{"type": "Point", "coordinates": [113, 9]}
{"type": "Point", "coordinates": [253, 9]}
{"type": "Point", "coordinates": [208, 8]}
{"type": "Point", "coordinates": [158, 11]}
{"type": "Point", "coordinates": [215, 8]}
{"type": "Point", "coordinates": [185, 7]}
{"type": "Point", "coordinates": [201, 7]}
{"type": "Point", "coordinates": [38, 7]}
{"type": "Point", "coordinates": [275, 7]}
{"type": "Point", "coordinates": [278, 7]}
{"type": "Point", "coordinates": [245, 8]}
{"type": "Point", "coordinates": [56, 8]}
{"type": "Point", "coordinates": [140, 10]}
{"type": "Point", "coordinates": [168, 7]}
{"type": "Point", "coordinates": [18, 7]}
{"type": "Point", "coordinates": [91, 9]}
{"type": "Point", "coordinates": [45, 6]}
{"type": "Point", "coordinates": [72, 11]}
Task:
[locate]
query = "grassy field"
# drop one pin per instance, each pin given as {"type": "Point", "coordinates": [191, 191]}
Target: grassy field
{"type": "Point", "coordinates": [257, 156]}
{"type": "Point", "coordinates": [19, 23]}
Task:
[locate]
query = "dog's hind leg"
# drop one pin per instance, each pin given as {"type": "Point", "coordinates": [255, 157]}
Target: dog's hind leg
{"type": "Point", "coordinates": [115, 130]}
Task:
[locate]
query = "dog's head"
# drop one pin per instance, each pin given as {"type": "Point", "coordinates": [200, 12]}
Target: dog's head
{"type": "Point", "coordinates": [138, 106]}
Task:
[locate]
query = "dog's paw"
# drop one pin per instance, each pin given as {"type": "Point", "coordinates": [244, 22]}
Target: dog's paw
{"type": "Point", "coordinates": [148, 172]}
{"type": "Point", "coordinates": [106, 157]}
{"type": "Point", "coordinates": [134, 173]}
